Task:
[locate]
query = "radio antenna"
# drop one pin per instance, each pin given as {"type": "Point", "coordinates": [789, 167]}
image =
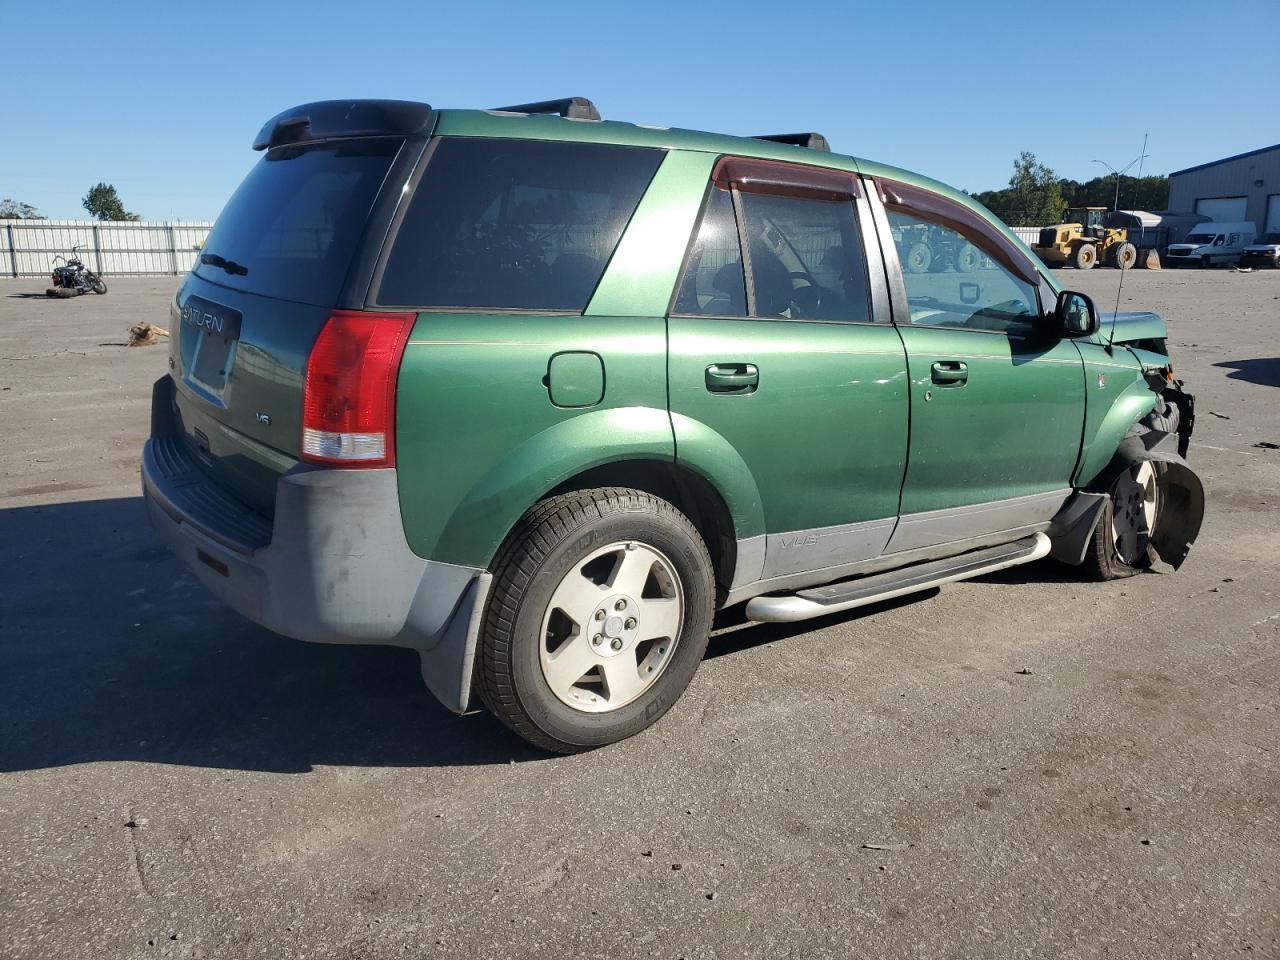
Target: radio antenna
{"type": "Point", "coordinates": [1115, 209]}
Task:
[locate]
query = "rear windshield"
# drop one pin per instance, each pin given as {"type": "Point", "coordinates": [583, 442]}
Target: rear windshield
{"type": "Point", "coordinates": [292, 227]}
{"type": "Point", "coordinates": [514, 224]}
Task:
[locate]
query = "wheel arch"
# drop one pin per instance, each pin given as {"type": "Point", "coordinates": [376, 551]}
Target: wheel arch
{"type": "Point", "coordinates": [631, 447]}
{"type": "Point", "coordinates": [691, 493]}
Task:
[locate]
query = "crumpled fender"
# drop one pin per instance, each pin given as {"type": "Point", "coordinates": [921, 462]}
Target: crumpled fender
{"type": "Point", "coordinates": [1181, 492]}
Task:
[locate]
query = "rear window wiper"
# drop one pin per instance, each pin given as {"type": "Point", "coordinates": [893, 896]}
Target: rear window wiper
{"type": "Point", "coordinates": [233, 268]}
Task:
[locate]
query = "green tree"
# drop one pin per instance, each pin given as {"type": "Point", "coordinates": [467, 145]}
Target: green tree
{"type": "Point", "coordinates": [1033, 197]}
{"type": "Point", "coordinates": [1136, 193]}
{"type": "Point", "coordinates": [104, 203]}
{"type": "Point", "coordinates": [11, 209]}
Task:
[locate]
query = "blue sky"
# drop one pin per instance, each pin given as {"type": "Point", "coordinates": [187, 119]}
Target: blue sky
{"type": "Point", "coordinates": [163, 99]}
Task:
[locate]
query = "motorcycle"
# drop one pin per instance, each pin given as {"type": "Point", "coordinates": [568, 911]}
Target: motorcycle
{"type": "Point", "coordinates": [74, 278]}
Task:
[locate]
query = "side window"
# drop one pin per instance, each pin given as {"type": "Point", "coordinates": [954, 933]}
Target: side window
{"type": "Point", "coordinates": [951, 282]}
{"type": "Point", "coordinates": [713, 284]}
{"type": "Point", "coordinates": [514, 224]}
{"type": "Point", "coordinates": [806, 258]}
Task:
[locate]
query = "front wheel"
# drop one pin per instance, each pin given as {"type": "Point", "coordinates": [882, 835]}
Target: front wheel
{"type": "Point", "coordinates": [1124, 255]}
{"type": "Point", "coordinates": [598, 617]}
{"type": "Point", "coordinates": [919, 258]}
{"type": "Point", "coordinates": [1121, 542]}
{"type": "Point", "coordinates": [97, 285]}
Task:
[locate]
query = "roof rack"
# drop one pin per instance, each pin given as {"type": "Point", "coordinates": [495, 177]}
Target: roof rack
{"type": "Point", "coordinates": [813, 141]}
{"type": "Point", "coordinates": [574, 108]}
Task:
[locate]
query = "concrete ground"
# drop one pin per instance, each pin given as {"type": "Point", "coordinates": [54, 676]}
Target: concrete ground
{"type": "Point", "coordinates": [1019, 766]}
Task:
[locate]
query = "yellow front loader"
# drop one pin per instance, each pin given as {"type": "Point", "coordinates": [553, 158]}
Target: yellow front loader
{"type": "Point", "coordinates": [1082, 239]}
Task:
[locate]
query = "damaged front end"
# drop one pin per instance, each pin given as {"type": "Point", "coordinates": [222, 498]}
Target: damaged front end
{"type": "Point", "coordinates": [1161, 438]}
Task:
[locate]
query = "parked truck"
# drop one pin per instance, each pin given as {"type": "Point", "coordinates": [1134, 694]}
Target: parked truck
{"type": "Point", "coordinates": [1083, 238]}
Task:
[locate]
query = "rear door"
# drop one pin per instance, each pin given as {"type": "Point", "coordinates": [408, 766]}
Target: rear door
{"type": "Point", "coordinates": [780, 345]}
{"type": "Point", "coordinates": [277, 262]}
{"type": "Point", "coordinates": [997, 405]}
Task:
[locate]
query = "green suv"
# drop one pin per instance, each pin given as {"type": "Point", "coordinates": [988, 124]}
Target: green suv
{"type": "Point", "coordinates": [536, 394]}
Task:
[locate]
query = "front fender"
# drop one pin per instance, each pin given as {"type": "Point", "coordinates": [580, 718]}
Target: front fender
{"type": "Point", "coordinates": [1133, 403]}
{"type": "Point", "coordinates": [541, 463]}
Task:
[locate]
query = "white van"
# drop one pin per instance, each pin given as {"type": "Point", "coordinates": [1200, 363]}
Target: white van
{"type": "Point", "coordinates": [1210, 243]}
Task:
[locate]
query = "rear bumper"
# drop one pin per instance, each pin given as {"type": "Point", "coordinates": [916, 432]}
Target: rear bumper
{"type": "Point", "coordinates": [332, 567]}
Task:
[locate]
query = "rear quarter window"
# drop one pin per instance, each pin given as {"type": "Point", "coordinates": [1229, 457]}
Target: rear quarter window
{"type": "Point", "coordinates": [513, 224]}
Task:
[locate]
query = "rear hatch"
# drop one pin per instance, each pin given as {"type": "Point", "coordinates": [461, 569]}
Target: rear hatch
{"type": "Point", "coordinates": [287, 249]}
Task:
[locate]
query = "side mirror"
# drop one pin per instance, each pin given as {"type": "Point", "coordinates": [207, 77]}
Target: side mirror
{"type": "Point", "coordinates": [1075, 315]}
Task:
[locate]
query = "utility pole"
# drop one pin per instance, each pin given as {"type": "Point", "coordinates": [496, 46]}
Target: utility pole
{"type": "Point", "coordinates": [1121, 173]}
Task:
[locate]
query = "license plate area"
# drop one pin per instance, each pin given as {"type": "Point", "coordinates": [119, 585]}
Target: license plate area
{"type": "Point", "coordinates": [210, 335]}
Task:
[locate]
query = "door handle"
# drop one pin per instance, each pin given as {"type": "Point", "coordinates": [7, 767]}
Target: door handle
{"type": "Point", "coordinates": [732, 378]}
{"type": "Point", "coordinates": [950, 373]}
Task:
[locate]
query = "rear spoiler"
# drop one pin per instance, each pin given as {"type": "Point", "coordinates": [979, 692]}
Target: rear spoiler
{"type": "Point", "coordinates": [330, 119]}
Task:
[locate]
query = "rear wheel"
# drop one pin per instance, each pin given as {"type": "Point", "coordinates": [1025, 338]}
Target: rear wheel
{"type": "Point", "coordinates": [968, 258]}
{"type": "Point", "coordinates": [598, 618]}
{"type": "Point", "coordinates": [1084, 257]}
{"type": "Point", "coordinates": [919, 258]}
{"type": "Point", "coordinates": [1121, 543]}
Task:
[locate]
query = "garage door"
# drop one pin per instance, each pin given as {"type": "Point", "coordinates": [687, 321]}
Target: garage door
{"type": "Point", "coordinates": [1273, 214]}
{"type": "Point", "coordinates": [1223, 209]}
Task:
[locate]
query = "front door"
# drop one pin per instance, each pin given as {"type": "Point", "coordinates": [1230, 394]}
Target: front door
{"type": "Point", "coordinates": [997, 405]}
{"type": "Point", "coordinates": [781, 354]}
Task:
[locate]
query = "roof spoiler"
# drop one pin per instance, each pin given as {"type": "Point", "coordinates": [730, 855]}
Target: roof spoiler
{"type": "Point", "coordinates": [573, 108]}
{"type": "Point", "coordinates": [811, 141]}
{"type": "Point", "coordinates": [329, 119]}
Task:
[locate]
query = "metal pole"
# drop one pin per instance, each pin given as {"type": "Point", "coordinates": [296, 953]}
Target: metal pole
{"type": "Point", "coordinates": [173, 250]}
{"type": "Point", "coordinates": [97, 249]}
{"type": "Point", "coordinates": [13, 249]}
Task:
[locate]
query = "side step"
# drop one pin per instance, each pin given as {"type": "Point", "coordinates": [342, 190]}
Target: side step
{"type": "Point", "coordinates": [820, 601]}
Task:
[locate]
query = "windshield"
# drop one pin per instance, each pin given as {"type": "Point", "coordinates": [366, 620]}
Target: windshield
{"type": "Point", "coordinates": [292, 227]}
{"type": "Point", "coordinates": [1200, 238]}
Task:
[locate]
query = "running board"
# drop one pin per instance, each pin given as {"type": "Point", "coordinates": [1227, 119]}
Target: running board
{"type": "Point", "coordinates": [835, 597]}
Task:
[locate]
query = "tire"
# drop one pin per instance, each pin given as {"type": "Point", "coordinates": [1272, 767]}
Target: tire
{"type": "Point", "coordinates": [1084, 257]}
{"type": "Point", "coordinates": [543, 609]}
{"type": "Point", "coordinates": [1123, 255]}
{"type": "Point", "coordinates": [968, 258]}
{"type": "Point", "coordinates": [918, 259]}
{"type": "Point", "coordinates": [1206, 263]}
{"type": "Point", "coordinates": [1109, 558]}
{"type": "Point", "coordinates": [98, 286]}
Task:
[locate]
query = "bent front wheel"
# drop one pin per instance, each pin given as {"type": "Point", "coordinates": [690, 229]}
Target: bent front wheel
{"type": "Point", "coordinates": [1121, 543]}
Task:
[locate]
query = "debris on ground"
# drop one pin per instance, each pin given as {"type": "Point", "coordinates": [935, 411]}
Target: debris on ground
{"type": "Point", "coordinates": [1220, 416]}
{"type": "Point", "coordinates": [145, 334]}
{"type": "Point", "coordinates": [1023, 671]}
{"type": "Point", "coordinates": [885, 846]}
{"type": "Point", "coordinates": [1267, 445]}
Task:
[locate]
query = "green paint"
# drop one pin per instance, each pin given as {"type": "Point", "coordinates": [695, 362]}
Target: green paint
{"type": "Point", "coordinates": [575, 379]}
{"type": "Point", "coordinates": [1012, 429]}
{"type": "Point", "coordinates": [1114, 403]}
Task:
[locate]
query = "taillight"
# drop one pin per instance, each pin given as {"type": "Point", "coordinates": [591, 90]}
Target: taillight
{"type": "Point", "coordinates": [349, 394]}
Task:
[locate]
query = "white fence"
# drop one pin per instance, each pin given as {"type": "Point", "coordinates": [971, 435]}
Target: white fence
{"type": "Point", "coordinates": [107, 247]}
{"type": "Point", "coordinates": [1027, 235]}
